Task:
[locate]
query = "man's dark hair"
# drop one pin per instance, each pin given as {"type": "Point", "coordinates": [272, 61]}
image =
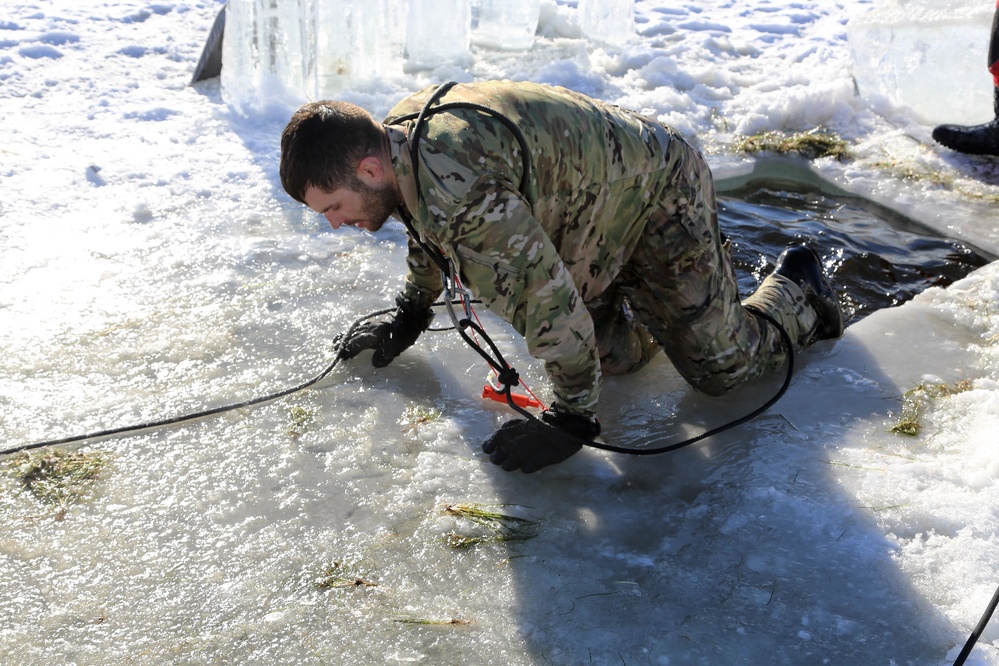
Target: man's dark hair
{"type": "Point", "coordinates": [322, 145]}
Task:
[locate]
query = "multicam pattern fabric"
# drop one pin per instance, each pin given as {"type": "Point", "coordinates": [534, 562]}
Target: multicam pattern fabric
{"type": "Point", "coordinates": [612, 251]}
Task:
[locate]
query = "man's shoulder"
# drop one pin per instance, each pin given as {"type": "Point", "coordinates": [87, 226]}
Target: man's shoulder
{"type": "Point", "coordinates": [504, 95]}
{"type": "Point", "coordinates": [408, 105]}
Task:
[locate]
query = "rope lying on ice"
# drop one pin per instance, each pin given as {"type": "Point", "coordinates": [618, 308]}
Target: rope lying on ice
{"type": "Point", "coordinates": [151, 425]}
{"type": "Point", "coordinates": [338, 346]}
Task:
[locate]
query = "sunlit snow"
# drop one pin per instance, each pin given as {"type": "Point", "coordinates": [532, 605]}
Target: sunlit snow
{"type": "Point", "coordinates": [150, 265]}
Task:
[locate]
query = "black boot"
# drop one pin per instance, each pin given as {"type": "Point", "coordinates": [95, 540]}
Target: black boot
{"type": "Point", "coordinates": [802, 266]}
{"type": "Point", "coordinates": [975, 139]}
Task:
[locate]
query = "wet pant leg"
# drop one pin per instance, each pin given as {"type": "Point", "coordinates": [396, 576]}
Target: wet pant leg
{"type": "Point", "coordinates": [681, 285]}
{"type": "Point", "coordinates": [624, 344]}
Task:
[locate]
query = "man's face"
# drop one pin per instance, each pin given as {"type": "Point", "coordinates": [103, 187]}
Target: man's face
{"type": "Point", "coordinates": [362, 206]}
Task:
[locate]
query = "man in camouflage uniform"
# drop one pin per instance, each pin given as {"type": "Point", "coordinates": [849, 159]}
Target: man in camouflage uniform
{"type": "Point", "coordinates": [610, 251]}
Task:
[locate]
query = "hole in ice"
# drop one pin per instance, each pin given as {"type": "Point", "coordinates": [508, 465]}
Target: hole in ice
{"type": "Point", "coordinates": [875, 258]}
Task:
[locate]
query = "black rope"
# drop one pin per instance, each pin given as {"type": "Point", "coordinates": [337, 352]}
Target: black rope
{"type": "Point", "coordinates": [973, 638]}
{"type": "Point", "coordinates": [788, 345]}
{"type": "Point", "coordinates": [507, 374]}
{"type": "Point", "coordinates": [424, 115]}
{"type": "Point", "coordinates": [132, 429]}
{"type": "Point", "coordinates": [414, 155]}
{"type": "Point", "coordinates": [496, 361]}
{"type": "Point", "coordinates": [415, 137]}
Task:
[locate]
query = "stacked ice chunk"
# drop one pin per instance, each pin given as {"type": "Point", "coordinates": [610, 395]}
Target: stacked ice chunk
{"type": "Point", "coordinates": [927, 55]}
{"type": "Point", "coordinates": [280, 51]}
{"type": "Point", "coordinates": [284, 52]}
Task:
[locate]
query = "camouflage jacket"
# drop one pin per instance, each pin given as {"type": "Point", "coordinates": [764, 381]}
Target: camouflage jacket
{"type": "Point", "coordinates": [535, 258]}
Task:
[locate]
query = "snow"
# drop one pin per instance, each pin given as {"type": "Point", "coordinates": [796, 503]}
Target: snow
{"type": "Point", "coordinates": [150, 265]}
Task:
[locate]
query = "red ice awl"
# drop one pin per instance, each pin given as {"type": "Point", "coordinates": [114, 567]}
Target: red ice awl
{"type": "Point", "coordinates": [490, 393]}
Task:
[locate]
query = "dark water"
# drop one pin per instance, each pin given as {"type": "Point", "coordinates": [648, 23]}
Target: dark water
{"type": "Point", "coordinates": [874, 257]}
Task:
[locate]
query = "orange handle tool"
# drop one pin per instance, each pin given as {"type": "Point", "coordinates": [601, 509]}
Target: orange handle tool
{"type": "Point", "coordinates": [490, 393]}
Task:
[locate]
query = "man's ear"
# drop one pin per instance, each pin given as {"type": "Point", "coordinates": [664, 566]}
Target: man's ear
{"type": "Point", "coordinates": [370, 170]}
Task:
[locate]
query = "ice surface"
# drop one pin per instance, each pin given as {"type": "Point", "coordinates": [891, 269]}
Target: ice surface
{"type": "Point", "coordinates": [928, 55]}
{"type": "Point", "coordinates": [265, 52]}
{"type": "Point", "coordinates": [608, 21]}
{"type": "Point", "coordinates": [439, 33]}
{"type": "Point", "coordinates": [505, 24]}
{"type": "Point", "coordinates": [354, 42]}
{"type": "Point", "coordinates": [282, 53]}
{"type": "Point", "coordinates": [183, 277]}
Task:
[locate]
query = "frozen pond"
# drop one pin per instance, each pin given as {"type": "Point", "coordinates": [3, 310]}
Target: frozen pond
{"type": "Point", "coordinates": [317, 525]}
{"type": "Point", "coordinates": [151, 266]}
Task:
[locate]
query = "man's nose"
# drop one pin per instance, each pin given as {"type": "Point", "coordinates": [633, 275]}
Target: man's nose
{"type": "Point", "coordinates": [335, 220]}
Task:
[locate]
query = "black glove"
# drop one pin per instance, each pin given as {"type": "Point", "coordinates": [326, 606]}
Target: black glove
{"type": "Point", "coordinates": [528, 445]}
{"type": "Point", "coordinates": [389, 338]}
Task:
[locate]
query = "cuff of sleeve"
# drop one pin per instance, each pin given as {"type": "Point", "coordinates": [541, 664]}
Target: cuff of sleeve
{"type": "Point", "coordinates": [574, 410]}
{"type": "Point", "coordinates": [420, 298]}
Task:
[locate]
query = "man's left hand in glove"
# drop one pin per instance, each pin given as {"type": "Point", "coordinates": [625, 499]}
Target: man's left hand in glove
{"type": "Point", "coordinates": [389, 338]}
{"type": "Point", "coordinates": [529, 445]}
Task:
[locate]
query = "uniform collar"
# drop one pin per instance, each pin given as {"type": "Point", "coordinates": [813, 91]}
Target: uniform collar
{"type": "Point", "coordinates": [402, 165]}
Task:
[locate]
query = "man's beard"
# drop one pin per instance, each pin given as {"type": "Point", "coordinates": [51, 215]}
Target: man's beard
{"type": "Point", "coordinates": [379, 203]}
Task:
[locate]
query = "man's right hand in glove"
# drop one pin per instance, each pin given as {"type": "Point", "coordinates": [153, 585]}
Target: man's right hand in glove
{"type": "Point", "coordinates": [389, 338]}
{"type": "Point", "coordinates": [530, 444]}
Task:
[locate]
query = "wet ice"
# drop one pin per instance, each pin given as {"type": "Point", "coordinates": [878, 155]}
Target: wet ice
{"type": "Point", "coordinates": [187, 279]}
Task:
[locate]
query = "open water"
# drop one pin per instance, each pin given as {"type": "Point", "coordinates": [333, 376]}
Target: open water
{"type": "Point", "coordinates": [875, 258]}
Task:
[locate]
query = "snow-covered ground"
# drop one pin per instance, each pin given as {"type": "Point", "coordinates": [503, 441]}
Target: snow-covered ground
{"type": "Point", "coordinates": [150, 265]}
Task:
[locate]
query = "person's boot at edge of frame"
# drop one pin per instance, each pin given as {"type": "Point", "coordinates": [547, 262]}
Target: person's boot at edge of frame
{"type": "Point", "coordinates": [977, 139]}
{"type": "Point", "coordinates": [971, 139]}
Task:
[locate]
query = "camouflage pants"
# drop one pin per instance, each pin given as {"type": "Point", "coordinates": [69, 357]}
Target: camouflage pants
{"type": "Point", "coordinates": [679, 293]}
